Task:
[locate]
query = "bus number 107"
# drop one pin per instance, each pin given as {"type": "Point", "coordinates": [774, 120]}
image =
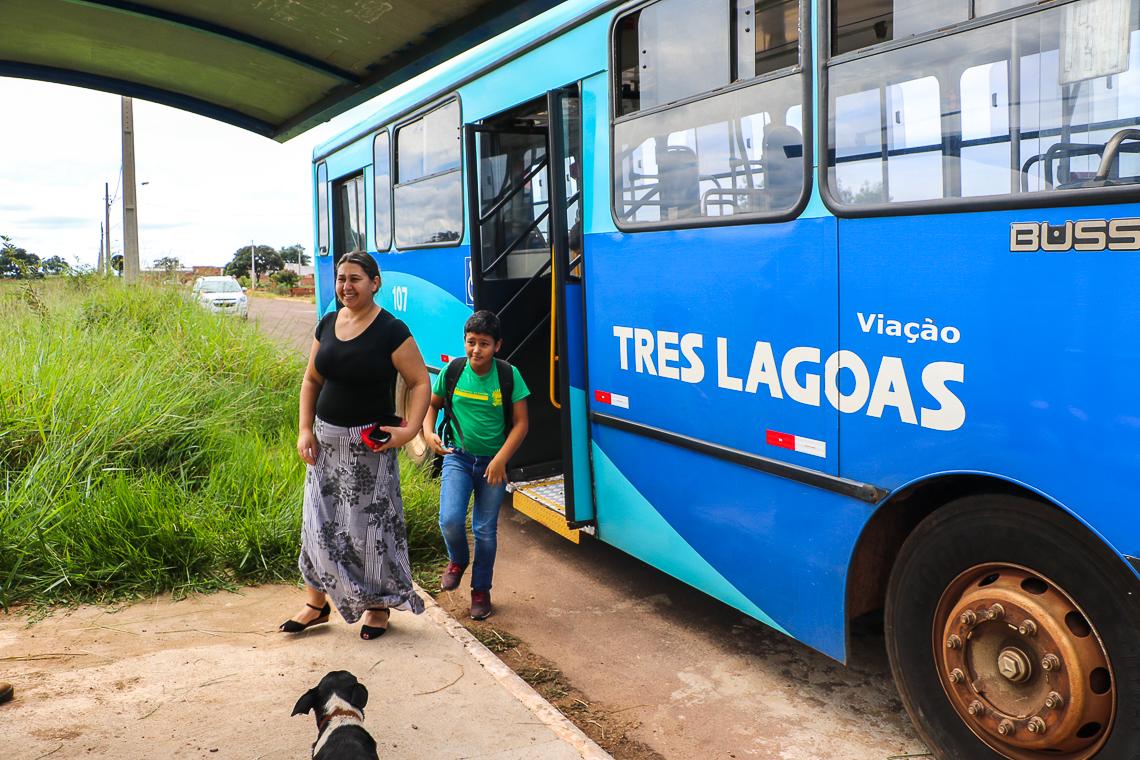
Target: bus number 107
{"type": "Point", "coordinates": [400, 298]}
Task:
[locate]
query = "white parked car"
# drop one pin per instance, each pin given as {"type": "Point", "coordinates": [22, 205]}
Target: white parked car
{"type": "Point", "coordinates": [223, 295]}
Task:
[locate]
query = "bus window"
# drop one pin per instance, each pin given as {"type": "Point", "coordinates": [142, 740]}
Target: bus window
{"type": "Point", "coordinates": [382, 190]}
{"type": "Point", "coordinates": [348, 209]}
{"type": "Point", "coordinates": [655, 47]}
{"type": "Point", "coordinates": [1007, 108]}
{"type": "Point", "coordinates": [858, 24]}
{"type": "Point", "coordinates": [512, 189]}
{"type": "Point", "coordinates": [322, 209]}
{"type": "Point", "coordinates": [684, 150]}
{"type": "Point", "coordinates": [429, 192]}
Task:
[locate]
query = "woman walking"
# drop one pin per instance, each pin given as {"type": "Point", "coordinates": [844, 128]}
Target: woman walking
{"type": "Point", "coordinates": [354, 547]}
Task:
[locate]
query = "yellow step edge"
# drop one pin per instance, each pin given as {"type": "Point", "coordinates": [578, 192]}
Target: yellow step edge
{"type": "Point", "coordinates": [544, 515]}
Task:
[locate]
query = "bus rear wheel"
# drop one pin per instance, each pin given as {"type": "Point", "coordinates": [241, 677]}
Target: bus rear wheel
{"type": "Point", "coordinates": [1010, 631]}
{"type": "Point", "coordinates": [416, 449]}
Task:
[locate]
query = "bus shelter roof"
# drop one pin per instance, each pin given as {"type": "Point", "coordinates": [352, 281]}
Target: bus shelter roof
{"type": "Point", "coordinates": [274, 67]}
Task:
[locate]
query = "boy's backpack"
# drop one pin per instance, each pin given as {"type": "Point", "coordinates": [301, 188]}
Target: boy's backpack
{"type": "Point", "coordinates": [451, 379]}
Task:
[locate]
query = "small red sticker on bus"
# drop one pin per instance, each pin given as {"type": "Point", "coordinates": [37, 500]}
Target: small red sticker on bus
{"type": "Point", "coordinates": [783, 440]}
{"type": "Point", "coordinates": [797, 443]}
{"type": "Point", "coordinates": [602, 397]}
{"type": "Point", "coordinates": [445, 358]}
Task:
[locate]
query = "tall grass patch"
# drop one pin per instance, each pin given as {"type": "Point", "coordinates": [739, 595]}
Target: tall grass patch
{"type": "Point", "coordinates": [147, 445]}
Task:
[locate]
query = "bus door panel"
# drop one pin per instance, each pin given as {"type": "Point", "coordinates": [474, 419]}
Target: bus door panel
{"type": "Point", "coordinates": [568, 246]}
{"type": "Point", "coordinates": [527, 266]}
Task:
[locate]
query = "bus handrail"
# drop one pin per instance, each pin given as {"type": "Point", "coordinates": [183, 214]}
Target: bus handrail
{"type": "Point", "coordinates": [539, 166]}
{"type": "Point", "coordinates": [514, 244]}
{"type": "Point", "coordinates": [1112, 152]}
{"type": "Point", "coordinates": [529, 335]}
{"type": "Point", "coordinates": [553, 334]}
{"type": "Point", "coordinates": [538, 273]}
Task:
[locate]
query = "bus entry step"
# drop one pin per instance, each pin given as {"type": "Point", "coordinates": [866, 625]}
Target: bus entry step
{"type": "Point", "coordinates": [544, 501]}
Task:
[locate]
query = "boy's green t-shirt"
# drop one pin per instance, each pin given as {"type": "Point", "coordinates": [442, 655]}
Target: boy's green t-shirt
{"type": "Point", "coordinates": [478, 405]}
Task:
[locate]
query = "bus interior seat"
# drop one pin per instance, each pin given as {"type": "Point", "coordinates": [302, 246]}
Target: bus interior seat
{"type": "Point", "coordinates": [782, 158]}
{"type": "Point", "coordinates": [678, 182]}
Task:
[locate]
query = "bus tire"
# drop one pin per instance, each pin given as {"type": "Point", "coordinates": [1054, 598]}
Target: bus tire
{"type": "Point", "coordinates": [416, 449]}
{"type": "Point", "coordinates": [1011, 633]}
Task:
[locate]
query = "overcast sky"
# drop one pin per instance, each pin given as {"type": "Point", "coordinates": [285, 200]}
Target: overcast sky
{"type": "Point", "coordinates": [211, 188]}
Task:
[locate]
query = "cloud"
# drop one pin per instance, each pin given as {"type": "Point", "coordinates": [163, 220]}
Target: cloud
{"type": "Point", "coordinates": [14, 207]}
{"type": "Point", "coordinates": [163, 225]}
{"type": "Point", "coordinates": [57, 222]}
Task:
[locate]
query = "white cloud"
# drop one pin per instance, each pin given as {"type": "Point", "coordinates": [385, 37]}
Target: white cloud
{"type": "Point", "coordinates": [211, 188]}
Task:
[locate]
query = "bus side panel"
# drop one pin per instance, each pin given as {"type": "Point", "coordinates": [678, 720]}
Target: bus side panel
{"type": "Point", "coordinates": [687, 332]}
{"type": "Point", "coordinates": [689, 329]}
{"type": "Point", "coordinates": [771, 547]}
{"type": "Point", "coordinates": [1046, 354]}
{"type": "Point", "coordinates": [427, 289]}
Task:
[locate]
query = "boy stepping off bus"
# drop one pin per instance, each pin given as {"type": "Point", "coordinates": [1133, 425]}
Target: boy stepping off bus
{"type": "Point", "coordinates": [484, 423]}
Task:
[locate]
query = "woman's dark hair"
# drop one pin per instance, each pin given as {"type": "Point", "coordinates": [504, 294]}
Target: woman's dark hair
{"type": "Point", "coordinates": [362, 260]}
{"type": "Point", "coordinates": [484, 323]}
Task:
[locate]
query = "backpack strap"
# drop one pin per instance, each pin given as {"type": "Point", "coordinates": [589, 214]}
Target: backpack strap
{"type": "Point", "coordinates": [507, 391]}
{"type": "Point", "coordinates": [450, 380]}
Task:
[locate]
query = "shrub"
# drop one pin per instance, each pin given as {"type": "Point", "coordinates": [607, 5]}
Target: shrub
{"type": "Point", "coordinates": [147, 445]}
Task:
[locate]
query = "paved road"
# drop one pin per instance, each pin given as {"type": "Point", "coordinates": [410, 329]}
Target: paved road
{"type": "Point", "coordinates": [703, 680]}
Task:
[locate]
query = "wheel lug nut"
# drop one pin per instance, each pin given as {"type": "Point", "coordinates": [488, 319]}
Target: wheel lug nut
{"type": "Point", "coordinates": [1005, 728]}
{"type": "Point", "coordinates": [969, 617]}
{"type": "Point", "coordinates": [1054, 701]}
{"type": "Point", "coordinates": [976, 709]}
{"type": "Point", "coordinates": [996, 612]}
{"type": "Point", "coordinates": [954, 642]}
{"type": "Point", "coordinates": [1027, 628]}
{"type": "Point", "coordinates": [957, 676]}
{"type": "Point", "coordinates": [1050, 662]}
{"type": "Point", "coordinates": [1036, 725]}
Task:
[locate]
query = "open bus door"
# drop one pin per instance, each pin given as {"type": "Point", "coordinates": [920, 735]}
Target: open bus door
{"type": "Point", "coordinates": [525, 200]}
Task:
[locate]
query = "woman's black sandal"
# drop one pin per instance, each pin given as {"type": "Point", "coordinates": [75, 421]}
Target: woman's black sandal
{"type": "Point", "coordinates": [368, 632]}
{"type": "Point", "coordinates": [292, 626]}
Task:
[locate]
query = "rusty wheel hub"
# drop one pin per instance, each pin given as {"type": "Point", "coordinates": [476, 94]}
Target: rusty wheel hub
{"type": "Point", "coordinates": [1022, 664]}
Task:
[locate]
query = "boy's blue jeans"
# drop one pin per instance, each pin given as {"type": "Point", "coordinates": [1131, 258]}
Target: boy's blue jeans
{"type": "Point", "coordinates": [463, 473]}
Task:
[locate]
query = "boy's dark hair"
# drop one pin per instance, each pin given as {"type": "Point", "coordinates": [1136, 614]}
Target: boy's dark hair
{"type": "Point", "coordinates": [485, 323]}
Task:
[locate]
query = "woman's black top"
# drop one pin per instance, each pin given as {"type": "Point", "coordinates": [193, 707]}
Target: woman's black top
{"type": "Point", "coordinates": [360, 379]}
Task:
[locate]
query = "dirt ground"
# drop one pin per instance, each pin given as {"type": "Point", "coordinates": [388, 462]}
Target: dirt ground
{"type": "Point", "coordinates": [210, 677]}
{"type": "Point", "coordinates": [651, 668]}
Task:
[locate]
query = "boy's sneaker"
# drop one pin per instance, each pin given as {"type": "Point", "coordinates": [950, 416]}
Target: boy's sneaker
{"type": "Point", "coordinates": [449, 581]}
{"type": "Point", "coordinates": [480, 605]}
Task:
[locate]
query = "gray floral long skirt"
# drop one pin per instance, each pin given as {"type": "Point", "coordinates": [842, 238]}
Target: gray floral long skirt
{"type": "Point", "coordinates": [354, 543]}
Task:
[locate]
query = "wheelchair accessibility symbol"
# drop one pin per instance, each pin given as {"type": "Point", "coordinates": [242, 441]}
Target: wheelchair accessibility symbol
{"type": "Point", "coordinates": [470, 281]}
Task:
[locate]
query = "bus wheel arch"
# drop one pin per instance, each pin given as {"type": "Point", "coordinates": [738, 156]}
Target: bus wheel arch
{"type": "Point", "coordinates": [883, 536]}
{"type": "Point", "coordinates": [1022, 558]}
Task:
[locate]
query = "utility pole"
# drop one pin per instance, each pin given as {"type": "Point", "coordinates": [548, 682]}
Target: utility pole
{"type": "Point", "coordinates": [252, 266]}
{"type": "Point", "coordinates": [130, 210]}
{"type": "Point", "coordinates": [105, 253]}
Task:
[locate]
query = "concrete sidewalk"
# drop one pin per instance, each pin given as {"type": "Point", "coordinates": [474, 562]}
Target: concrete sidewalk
{"type": "Point", "coordinates": [211, 677]}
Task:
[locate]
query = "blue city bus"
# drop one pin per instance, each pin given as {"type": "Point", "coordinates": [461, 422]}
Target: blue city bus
{"type": "Point", "coordinates": [826, 310]}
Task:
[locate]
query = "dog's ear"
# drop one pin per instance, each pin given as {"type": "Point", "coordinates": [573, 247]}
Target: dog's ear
{"type": "Point", "coordinates": [359, 696]}
{"type": "Point", "coordinates": [306, 703]}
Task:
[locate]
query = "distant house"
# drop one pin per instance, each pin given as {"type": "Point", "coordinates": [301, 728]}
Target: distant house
{"type": "Point", "coordinates": [305, 270]}
{"type": "Point", "coordinates": [205, 271]}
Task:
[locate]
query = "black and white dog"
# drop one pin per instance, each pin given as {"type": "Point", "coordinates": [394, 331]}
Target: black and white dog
{"type": "Point", "coordinates": [338, 701]}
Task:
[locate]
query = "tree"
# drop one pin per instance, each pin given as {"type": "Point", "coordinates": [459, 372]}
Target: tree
{"type": "Point", "coordinates": [286, 279]}
{"type": "Point", "coordinates": [170, 264]}
{"type": "Point", "coordinates": [295, 254]}
{"type": "Point", "coordinates": [268, 261]}
{"type": "Point", "coordinates": [17, 263]}
{"type": "Point", "coordinates": [55, 265]}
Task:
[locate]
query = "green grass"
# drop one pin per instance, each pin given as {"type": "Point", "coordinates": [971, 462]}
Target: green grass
{"type": "Point", "coordinates": [148, 446]}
